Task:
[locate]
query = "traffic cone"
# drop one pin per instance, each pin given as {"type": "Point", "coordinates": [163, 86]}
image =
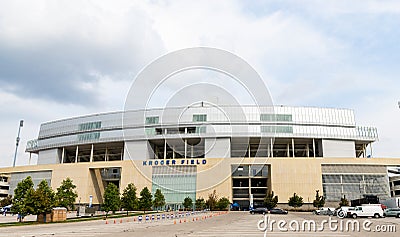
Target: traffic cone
{"type": "Point", "coordinates": [180, 221]}
{"type": "Point", "coordinates": [115, 222]}
{"type": "Point", "coordinates": [174, 222]}
{"type": "Point", "coordinates": [106, 222]}
{"type": "Point", "coordinates": [120, 221]}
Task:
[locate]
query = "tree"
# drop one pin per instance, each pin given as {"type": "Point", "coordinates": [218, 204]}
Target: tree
{"type": "Point", "coordinates": [41, 200]}
{"type": "Point", "coordinates": [6, 201]}
{"type": "Point", "coordinates": [129, 201]}
{"type": "Point", "coordinates": [159, 199]}
{"type": "Point", "coordinates": [319, 200]}
{"type": "Point", "coordinates": [145, 200]}
{"type": "Point", "coordinates": [212, 200]}
{"type": "Point", "coordinates": [66, 194]}
{"type": "Point", "coordinates": [200, 204]}
{"type": "Point", "coordinates": [112, 201]}
{"type": "Point", "coordinates": [270, 200]}
{"type": "Point", "coordinates": [222, 203]}
{"type": "Point", "coordinates": [20, 195]}
{"type": "Point", "coordinates": [187, 203]}
{"type": "Point", "coordinates": [295, 201]}
{"type": "Point", "coordinates": [344, 202]}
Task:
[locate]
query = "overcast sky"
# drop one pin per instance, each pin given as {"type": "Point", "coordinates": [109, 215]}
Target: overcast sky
{"type": "Point", "coordinates": [68, 58]}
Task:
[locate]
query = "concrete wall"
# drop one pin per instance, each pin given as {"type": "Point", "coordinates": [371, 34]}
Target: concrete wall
{"type": "Point", "coordinates": [218, 147]}
{"type": "Point", "coordinates": [51, 156]}
{"type": "Point", "coordinates": [137, 150]}
{"type": "Point", "coordinates": [336, 148]}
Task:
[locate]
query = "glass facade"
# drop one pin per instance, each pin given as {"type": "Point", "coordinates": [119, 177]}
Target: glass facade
{"type": "Point", "coordinates": [175, 182]}
{"type": "Point", "coordinates": [354, 181]}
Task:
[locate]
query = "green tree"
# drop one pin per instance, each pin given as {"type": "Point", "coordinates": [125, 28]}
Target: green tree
{"type": "Point", "coordinates": [222, 203]}
{"type": "Point", "coordinates": [270, 200]}
{"type": "Point", "coordinates": [20, 195]}
{"type": "Point", "coordinates": [295, 201]}
{"type": "Point", "coordinates": [187, 203]}
{"type": "Point", "coordinates": [145, 200]}
{"type": "Point", "coordinates": [319, 200]}
{"type": "Point", "coordinates": [344, 202]}
{"type": "Point", "coordinates": [66, 194]}
{"type": "Point", "coordinates": [129, 201]}
{"type": "Point", "coordinates": [200, 204]}
{"type": "Point", "coordinates": [6, 201]}
{"type": "Point", "coordinates": [159, 199]}
{"type": "Point", "coordinates": [212, 200]}
{"type": "Point", "coordinates": [112, 201]}
{"type": "Point", "coordinates": [41, 200]}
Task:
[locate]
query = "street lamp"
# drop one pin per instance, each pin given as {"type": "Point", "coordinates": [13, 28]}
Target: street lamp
{"type": "Point", "coordinates": [21, 124]}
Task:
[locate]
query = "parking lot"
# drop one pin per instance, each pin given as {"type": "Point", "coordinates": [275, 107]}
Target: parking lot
{"type": "Point", "coordinates": [211, 224]}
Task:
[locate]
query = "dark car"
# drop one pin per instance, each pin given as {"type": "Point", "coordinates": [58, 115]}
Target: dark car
{"type": "Point", "coordinates": [259, 210]}
{"type": "Point", "coordinates": [278, 211]}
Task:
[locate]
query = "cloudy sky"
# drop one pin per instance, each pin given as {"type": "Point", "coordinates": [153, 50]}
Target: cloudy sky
{"type": "Point", "coordinates": [68, 58]}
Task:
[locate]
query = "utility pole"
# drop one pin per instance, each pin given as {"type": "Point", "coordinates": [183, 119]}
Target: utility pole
{"type": "Point", "coordinates": [21, 124]}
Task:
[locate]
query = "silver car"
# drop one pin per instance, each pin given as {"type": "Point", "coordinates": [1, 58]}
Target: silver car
{"type": "Point", "coordinates": [392, 212]}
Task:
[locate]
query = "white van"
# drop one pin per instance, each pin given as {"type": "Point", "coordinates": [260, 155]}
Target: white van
{"type": "Point", "coordinates": [366, 211]}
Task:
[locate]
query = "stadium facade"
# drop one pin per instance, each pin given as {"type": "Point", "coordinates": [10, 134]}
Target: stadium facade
{"type": "Point", "coordinates": [242, 152]}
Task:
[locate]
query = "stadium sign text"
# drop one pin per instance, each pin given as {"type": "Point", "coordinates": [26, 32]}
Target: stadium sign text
{"type": "Point", "coordinates": [175, 162]}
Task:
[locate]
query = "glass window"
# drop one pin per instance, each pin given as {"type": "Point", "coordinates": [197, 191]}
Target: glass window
{"type": "Point", "coordinates": [152, 120]}
{"type": "Point", "coordinates": [199, 117]}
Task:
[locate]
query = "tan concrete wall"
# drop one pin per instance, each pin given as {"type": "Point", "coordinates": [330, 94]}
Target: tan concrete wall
{"type": "Point", "coordinates": [288, 175]}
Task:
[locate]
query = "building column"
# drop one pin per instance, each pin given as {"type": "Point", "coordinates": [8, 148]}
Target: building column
{"type": "Point", "coordinates": [308, 150]}
{"type": "Point", "coordinates": [293, 147]}
{"type": "Point", "coordinates": [313, 145]}
{"type": "Point", "coordinates": [370, 148]}
{"type": "Point", "coordinates": [268, 150]}
{"type": "Point", "coordinates": [106, 155]}
{"type": "Point", "coordinates": [165, 149]}
{"type": "Point", "coordinates": [249, 151]}
{"type": "Point", "coordinates": [185, 147]}
{"type": "Point", "coordinates": [272, 149]}
{"type": "Point", "coordinates": [288, 150]}
{"type": "Point", "coordinates": [91, 154]}
{"type": "Point", "coordinates": [62, 156]}
{"type": "Point", "coordinates": [76, 154]}
{"type": "Point", "coordinates": [173, 152]}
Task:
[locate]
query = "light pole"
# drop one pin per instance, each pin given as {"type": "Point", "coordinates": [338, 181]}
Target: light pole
{"type": "Point", "coordinates": [21, 124]}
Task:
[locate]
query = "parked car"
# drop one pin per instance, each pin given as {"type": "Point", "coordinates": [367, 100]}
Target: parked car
{"type": "Point", "coordinates": [392, 212]}
{"type": "Point", "coordinates": [372, 210]}
{"type": "Point", "coordinates": [324, 211]}
{"type": "Point", "coordinates": [259, 210]}
{"type": "Point", "coordinates": [277, 211]}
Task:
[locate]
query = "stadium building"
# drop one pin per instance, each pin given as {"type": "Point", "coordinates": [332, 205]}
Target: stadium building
{"type": "Point", "coordinates": [242, 152]}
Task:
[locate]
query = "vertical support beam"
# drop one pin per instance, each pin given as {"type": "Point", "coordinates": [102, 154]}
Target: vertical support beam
{"type": "Point", "coordinates": [314, 147]}
{"type": "Point", "coordinates": [191, 155]}
{"type": "Point", "coordinates": [370, 148]}
{"type": "Point", "coordinates": [173, 152]}
{"type": "Point", "coordinates": [272, 149]}
{"type": "Point", "coordinates": [122, 153]}
{"type": "Point", "coordinates": [106, 155]}
{"type": "Point", "coordinates": [364, 150]}
{"type": "Point", "coordinates": [30, 157]}
{"type": "Point", "coordinates": [165, 149]}
{"type": "Point", "coordinates": [91, 153]}
{"type": "Point", "coordinates": [308, 150]}
{"type": "Point", "coordinates": [268, 150]}
{"type": "Point", "coordinates": [249, 151]}
{"type": "Point", "coordinates": [185, 147]}
{"type": "Point", "coordinates": [287, 150]}
{"type": "Point", "coordinates": [293, 147]}
{"type": "Point", "coordinates": [76, 154]}
{"type": "Point", "coordinates": [62, 156]}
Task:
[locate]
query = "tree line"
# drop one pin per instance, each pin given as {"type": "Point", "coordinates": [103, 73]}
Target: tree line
{"type": "Point", "coordinates": [41, 200]}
